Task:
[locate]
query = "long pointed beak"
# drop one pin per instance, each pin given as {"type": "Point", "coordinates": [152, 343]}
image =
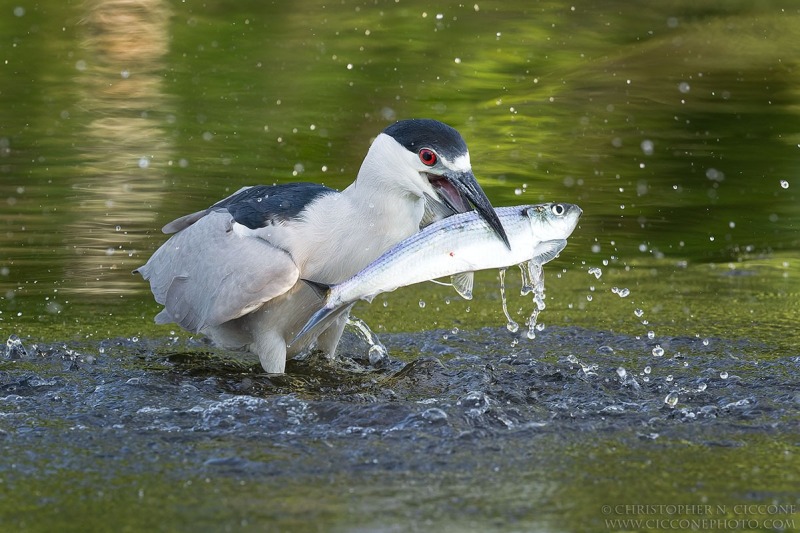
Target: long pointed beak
{"type": "Point", "coordinates": [464, 190]}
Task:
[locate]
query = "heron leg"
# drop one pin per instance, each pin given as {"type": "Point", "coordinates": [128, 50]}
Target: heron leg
{"type": "Point", "coordinates": [271, 350]}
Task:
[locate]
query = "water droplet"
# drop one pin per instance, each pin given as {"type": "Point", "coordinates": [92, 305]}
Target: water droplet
{"type": "Point", "coordinates": [597, 272]}
{"type": "Point", "coordinates": [715, 175]}
{"type": "Point", "coordinates": [784, 184]}
{"type": "Point", "coordinates": [669, 378]}
{"type": "Point", "coordinates": [647, 369]}
{"type": "Point", "coordinates": [422, 304]}
{"type": "Point", "coordinates": [622, 373]}
{"type": "Point", "coordinates": [671, 399]}
{"type": "Point", "coordinates": [723, 374]}
{"type": "Point", "coordinates": [651, 334]}
{"type": "Point", "coordinates": [701, 387]}
{"type": "Point", "coordinates": [658, 351]}
{"type": "Point", "coordinates": [638, 312]}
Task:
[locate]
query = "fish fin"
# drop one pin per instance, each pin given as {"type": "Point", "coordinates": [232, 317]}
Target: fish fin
{"type": "Point", "coordinates": [320, 289]}
{"type": "Point", "coordinates": [546, 251]}
{"type": "Point", "coordinates": [435, 210]}
{"type": "Point", "coordinates": [436, 281]}
{"type": "Point", "coordinates": [462, 283]}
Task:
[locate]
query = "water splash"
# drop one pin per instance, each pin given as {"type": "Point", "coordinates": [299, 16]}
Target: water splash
{"type": "Point", "coordinates": [511, 325]}
{"type": "Point", "coordinates": [671, 399]}
{"type": "Point", "coordinates": [14, 348]}
{"type": "Point", "coordinates": [377, 352]}
{"type": "Point", "coordinates": [527, 282]}
{"type": "Point", "coordinates": [535, 274]}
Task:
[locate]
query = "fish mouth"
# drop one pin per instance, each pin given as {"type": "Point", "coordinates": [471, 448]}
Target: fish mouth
{"type": "Point", "coordinates": [459, 190]}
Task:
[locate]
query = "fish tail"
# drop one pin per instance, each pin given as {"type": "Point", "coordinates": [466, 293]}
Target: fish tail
{"type": "Point", "coordinates": [322, 316]}
{"type": "Point", "coordinates": [320, 289]}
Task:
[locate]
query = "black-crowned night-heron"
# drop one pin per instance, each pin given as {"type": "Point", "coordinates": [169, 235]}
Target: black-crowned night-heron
{"type": "Point", "coordinates": [233, 271]}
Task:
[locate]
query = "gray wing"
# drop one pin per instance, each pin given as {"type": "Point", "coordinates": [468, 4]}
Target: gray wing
{"type": "Point", "coordinates": [206, 274]}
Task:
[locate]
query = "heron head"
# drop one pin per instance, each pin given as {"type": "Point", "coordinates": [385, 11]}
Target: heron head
{"type": "Point", "coordinates": [437, 163]}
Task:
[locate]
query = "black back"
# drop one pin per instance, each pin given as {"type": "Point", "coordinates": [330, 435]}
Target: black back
{"type": "Point", "coordinates": [427, 133]}
{"type": "Point", "coordinates": [264, 205]}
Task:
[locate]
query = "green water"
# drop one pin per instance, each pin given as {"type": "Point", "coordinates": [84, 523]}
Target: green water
{"type": "Point", "coordinates": [675, 125]}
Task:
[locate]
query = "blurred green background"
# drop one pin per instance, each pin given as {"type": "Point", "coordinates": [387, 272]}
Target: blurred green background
{"type": "Point", "coordinates": [674, 125]}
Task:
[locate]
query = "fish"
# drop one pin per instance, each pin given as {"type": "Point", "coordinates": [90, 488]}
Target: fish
{"type": "Point", "coordinates": [456, 246]}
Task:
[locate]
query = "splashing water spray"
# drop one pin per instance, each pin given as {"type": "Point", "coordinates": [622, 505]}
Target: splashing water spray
{"type": "Point", "coordinates": [532, 282]}
{"type": "Point", "coordinates": [377, 351]}
{"type": "Point", "coordinates": [533, 273]}
{"type": "Point", "coordinates": [511, 325]}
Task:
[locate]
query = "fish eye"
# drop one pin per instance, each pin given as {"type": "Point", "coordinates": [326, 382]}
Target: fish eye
{"type": "Point", "coordinates": [428, 157]}
{"type": "Point", "coordinates": [558, 209]}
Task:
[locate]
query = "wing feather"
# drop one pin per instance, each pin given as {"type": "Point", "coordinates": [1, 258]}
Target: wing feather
{"type": "Point", "coordinates": [207, 274]}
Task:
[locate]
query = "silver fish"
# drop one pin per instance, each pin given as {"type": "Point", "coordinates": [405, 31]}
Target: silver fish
{"type": "Point", "coordinates": [455, 246]}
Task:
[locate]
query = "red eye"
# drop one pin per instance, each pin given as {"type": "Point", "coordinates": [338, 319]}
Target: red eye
{"type": "Point", "coordinates": [428, 157]}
